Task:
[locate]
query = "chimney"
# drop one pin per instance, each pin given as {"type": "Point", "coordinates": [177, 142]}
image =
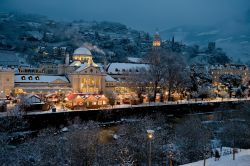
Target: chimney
{"type": "Point", "coordinates": [67, 59]}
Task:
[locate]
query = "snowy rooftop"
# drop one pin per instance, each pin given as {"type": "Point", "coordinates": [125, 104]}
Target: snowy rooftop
{"type": "Point", "coordinates": [39, 78]}
{"type": "Point", "coordinates": [108, 78]}
{"type": "Point", "coordinates": [3, 69]}
{"type": "Point", "coordinates": [82, 51]}
{"type": "Point", "coordinates": [75, 63]}
{"type": "Point", "coordinates": [36, 34]}
{"type": "Point", "coordinates": [116, 68]}
{"type": "Point", "coordinates": [134, 60]}
{"type": "Point", "coordinates": [82, 67]}
{"type": "Point", "coordinates": [229, 66]}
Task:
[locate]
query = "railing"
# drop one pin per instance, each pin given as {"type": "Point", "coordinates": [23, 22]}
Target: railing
{"type": "Point", "coordinates": [179, 102]}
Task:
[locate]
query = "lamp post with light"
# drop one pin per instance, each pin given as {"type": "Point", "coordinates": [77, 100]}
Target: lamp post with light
{"type": "Point", "coordinates": [150, 136]}
{"type": "Point", "coordinates": [170, 154]}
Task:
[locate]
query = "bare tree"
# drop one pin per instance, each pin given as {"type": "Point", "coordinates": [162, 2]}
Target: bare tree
{"type": "Point", "coordinates": [166, 71]}
{"type": "Point", "coordinates": [126, 158]}
{"type": "Point", "coordinates": [177, 76]}
{"type": "Point", "coordinates": [157, 69]}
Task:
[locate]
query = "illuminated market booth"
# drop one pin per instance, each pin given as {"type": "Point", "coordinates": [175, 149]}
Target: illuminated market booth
{"type": "Point", "coordinates": [81, 101]}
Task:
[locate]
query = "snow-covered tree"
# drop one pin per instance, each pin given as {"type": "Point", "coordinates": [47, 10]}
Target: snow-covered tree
{"type": "Point", "coordinates": [192, 140]}
{"type": "Point", "coordinates": [234, 80]}
{"type": "Point", "coordinates": [203, 92]}
{"type": "Point", "coordinates": [126, 158]}
{"type": "Point", "coordinates": [199, 77]}
{"type": "Point", "coordinates": [166, 71]}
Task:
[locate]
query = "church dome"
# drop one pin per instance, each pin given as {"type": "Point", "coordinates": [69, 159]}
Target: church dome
{"type": "Point", "coordinates": [82, 51]}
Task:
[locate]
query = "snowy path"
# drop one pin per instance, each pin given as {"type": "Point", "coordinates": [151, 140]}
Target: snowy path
{"type": "Point", "coordinates": [179, 102]}
{"type": "Point", "coordinates": [242, 159]}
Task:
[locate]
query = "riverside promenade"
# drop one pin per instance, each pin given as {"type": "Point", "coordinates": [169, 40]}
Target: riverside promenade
{"type": "Point", "coordinates": [115, 114]}
{"type": "Point", "coordinates": [144, 105]}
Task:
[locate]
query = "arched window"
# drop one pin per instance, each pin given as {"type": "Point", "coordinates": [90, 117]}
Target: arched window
{"type": "Point", "coordinates": [23, 78]}
{"type": "Point", "coordinates": [30, 77]}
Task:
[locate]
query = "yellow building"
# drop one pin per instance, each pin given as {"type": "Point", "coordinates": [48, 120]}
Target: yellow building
{"type": "Point", "coordinates": [41, 84]}
{"type": "Point", "coordinates": [218, 70]}
{"type": "Point", "coordinates": [85, 76]}
{"type": "Point", "coordinates": [6, 81]}
{"type": "Point", "coordinates": [121, 80]}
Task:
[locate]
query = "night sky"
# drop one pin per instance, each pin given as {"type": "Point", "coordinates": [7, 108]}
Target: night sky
{"type": "Point", "coordinates": [140, 14]}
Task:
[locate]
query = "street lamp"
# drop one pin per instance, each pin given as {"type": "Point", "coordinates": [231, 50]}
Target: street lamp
{"type": "Point", "coordinates": [170, 153]}
{"type": "Point", "coordinates": [150, 135]}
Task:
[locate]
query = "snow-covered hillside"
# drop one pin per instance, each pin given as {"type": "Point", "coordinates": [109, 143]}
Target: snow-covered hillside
{"type": "Point", "coordinates": [234, 39]}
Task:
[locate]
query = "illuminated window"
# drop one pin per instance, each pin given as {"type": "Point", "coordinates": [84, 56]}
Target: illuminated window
{"type": "Point", "coordinates": [23, 78]}
{"type": "Point", "coordinates": [84, 90]}
{"type": "Point", "coordinates": [92, 81]}
{"type": "Point", "coordinates": [37, 78]}
{"type": "Point", "coordinates": [30, 77]}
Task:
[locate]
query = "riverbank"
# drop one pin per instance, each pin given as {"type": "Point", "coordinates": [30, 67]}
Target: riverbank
{"type": "Point", "coordinates": [37, 120]}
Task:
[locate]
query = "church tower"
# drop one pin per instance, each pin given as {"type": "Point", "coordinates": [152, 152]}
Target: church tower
{"type": "Point", "coordinates": [157, 40]}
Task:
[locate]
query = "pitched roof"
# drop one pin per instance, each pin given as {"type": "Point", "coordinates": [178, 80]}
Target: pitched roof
{"type": "Point", "coordinates": [108, 78]}
{"type": "Point", "coordinates": [82, 67]}
{"type": "Point", "coordinates": [116, 68]}
{"type": "Point", "coordinates": [39, 78]}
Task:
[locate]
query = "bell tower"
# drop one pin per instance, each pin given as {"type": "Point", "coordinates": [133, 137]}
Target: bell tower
{"type": "Point", "coordinates": [157, 40]}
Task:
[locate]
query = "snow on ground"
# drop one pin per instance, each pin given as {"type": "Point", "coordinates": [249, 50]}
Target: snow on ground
{"type": "Point", "coordinates": [242, 159]}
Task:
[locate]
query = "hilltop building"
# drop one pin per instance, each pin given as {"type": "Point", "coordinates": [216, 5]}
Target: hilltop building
{"type": "Point", "coordinates": [156, 40]}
